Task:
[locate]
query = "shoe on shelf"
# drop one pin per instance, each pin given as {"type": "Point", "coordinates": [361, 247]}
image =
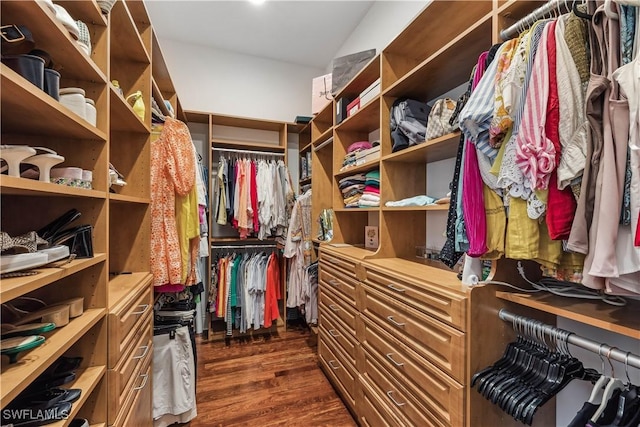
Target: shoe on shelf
{"type": "Point", "coordinates": [11, 347]}
{"type": "Point", "coordinates": [45, 399]}
{"type": "Point", "coordinates": [44, 162]}
{"type": "Point", "coordinates": [9, 331]}
{"type": "Point", "coordinates": [13, 155]}
{"type": "Point", "coordinates": [79, 422]}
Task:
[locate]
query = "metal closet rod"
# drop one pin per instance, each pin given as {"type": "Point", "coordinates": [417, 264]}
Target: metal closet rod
{"type": "Point", "coordinates": [542, 11]}
{"type": "Point", "coordinates": [605, 350]}
{"type": "Point", "coordinates": [242, 246]}
{"type": "Point", "coordinates": [232, 150]}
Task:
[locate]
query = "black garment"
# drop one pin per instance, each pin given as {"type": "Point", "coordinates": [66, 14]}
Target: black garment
{"type": "Point", "coordinates": [609, 413]}
{"type": "Point", "coordinates": [231, 182]}
{"type": "Point", "coordinates": [584, 415]}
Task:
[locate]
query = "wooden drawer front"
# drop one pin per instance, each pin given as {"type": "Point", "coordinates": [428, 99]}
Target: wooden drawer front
{"type": "Point", "coordinates": [137, 410]}
{"type": "Point", "coordinates": [448, 307]}
{"type": "Point", "coordinates": [441, 344]}
{"type": "Point", "coordinates": [372, 411]}
{"type": "Point", "coordinates": [395, 395]}
{"type": "Point", "coordinates": [332, 307]}
{"type": "Point", "coordinates": [335, 330]}
{"type": "Point", "coordinates": [338, 371]}
{"type": "Point", "coordinates": [334, 280]}
{"type": "Point", "coordinates": [436, 391]}
{"type": "Point", "coordinates": [123, 377]}
{"type": "Point", "coordinates": [343, 265]}
{"type": "Point", "coordinates": [125, 322]}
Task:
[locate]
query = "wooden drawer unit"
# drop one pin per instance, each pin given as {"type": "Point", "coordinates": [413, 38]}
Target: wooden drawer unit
{"type": "Point", "coordinates": [124, 320]}
{"type": "Point", "coordinates": [392, 392]}
{"type": "Point", "coordinates": [123, 378]}
{"type": "Point", "coordinates": [372, 410]}
{"type": "Point", "coordinates": [340, 373]}
{"type": "Point", "coordinates": [344, 265]}
{"type": "Point", "coordinates": [434, 301]}
{"type": "Point", "coordinates": [334, 328]}
{"type": "Point", "coordinates": [439, 343]}
{"type": "Point", "coordinates": [332, 306]}
{"type": "Point", "coordinates": [340, 283]}
{"type": "Point", "coordinates": [436, 391]}
{"type": "Point", "coordinates": [135, 411]}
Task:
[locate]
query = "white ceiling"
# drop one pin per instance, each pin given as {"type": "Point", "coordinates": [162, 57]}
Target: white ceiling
{"type": "Point", "coordinates": [301, 32]}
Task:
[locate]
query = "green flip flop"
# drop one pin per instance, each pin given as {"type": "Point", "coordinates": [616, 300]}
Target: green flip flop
{"type": "Point", "coordinates": [13, 346]}
{"type": "Point", "coordinates": [9, 330]}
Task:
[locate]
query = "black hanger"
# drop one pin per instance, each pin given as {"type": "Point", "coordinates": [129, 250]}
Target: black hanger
{"type": "Point", "coordinates": [580, 14]}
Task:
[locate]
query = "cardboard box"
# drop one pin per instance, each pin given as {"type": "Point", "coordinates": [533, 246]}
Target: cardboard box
{"type": "Point", "coordinates": [369, 93]}
{"type": "Point", "coordinates": [371, 237]}
{"type": "Point", "coordinates": [353, 107]}
{"type": "Point", "coordinates": [320, 93]}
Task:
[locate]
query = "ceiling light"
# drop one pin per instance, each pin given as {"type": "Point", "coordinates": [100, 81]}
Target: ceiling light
{"type": "Point", "coordinates": [257, 2]}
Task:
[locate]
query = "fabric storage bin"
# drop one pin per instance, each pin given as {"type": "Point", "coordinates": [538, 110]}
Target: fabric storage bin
{"type": "Point", "coordinates": [73, 98]}
{"type": "Point", "coordinates": [52, 83]}
{"type": "Point", "coordinates": [30, 67]}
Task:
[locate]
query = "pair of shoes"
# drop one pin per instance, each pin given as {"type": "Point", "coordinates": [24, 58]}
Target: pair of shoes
{"type": "Point", "coordinates": [26, 310]}
{"type": "Point", "coordinates": [78, 239]}
{"type": "Point", "coordinates": [27, 251]}
{"type": "Point", "coordinates": [13, 346]}
{"type": "Point", "coordinates": [14, 155]}
{"type": "Point", "coordinates": [36, 408]}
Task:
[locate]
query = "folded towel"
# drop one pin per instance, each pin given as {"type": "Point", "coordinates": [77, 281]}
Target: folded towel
{"type": "Point", "coordinates": [413, 201]}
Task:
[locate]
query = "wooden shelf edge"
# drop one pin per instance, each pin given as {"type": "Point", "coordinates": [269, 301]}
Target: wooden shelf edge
{"type": "Point", "coordinates": [322, 138]}
{"type": "Point", "coordinates": [129, 199]}
{"type": "Point", "coordinates": [18, 286]}
{"type": "Point", "coordinates": [127, 285]}
{"type": "Point", "coordinates": [306, 148]}
{"type": "Point", "coordinates": [443, 207]}
{"type": "Point", "coordinates": [86, 380]}
{"type": "Point", "coordinates": [425, 146]}
{"type": "Point", "coordinates": [368, 209]}
{"type": "Point", "coordinates": [141, 127]}
{"type": "Point", "coordinates": [29, 187]}
{"type": "Point", "coordinates": [33, 362]}
{"type": "Point", "coordinates": [602, 315]}
{"type": "Point", "coordinates": [245, 145]}
{"type": "Point", "coordinates": [368, 166]}
{"type": "Point", "coordinates": [357, 115]}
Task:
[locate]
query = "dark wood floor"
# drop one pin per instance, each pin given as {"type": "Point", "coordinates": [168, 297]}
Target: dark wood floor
{"type": "Point", "coordinates": [272, 382]}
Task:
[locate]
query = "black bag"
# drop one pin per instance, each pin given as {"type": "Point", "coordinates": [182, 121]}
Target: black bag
{"type": "Point", "coordinates": [408, 123]}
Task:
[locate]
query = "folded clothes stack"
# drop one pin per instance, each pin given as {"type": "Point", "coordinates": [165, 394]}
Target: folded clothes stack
{"type": "Point", "coordinates": [352, 151]}
{"type": "Point", "coordinates": [371, 194]}
{"type": "Point", "coordinates": [352, 188]}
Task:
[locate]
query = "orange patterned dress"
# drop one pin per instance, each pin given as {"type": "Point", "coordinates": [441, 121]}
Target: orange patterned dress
{"type": "Point", "coordinates": [172, 172]}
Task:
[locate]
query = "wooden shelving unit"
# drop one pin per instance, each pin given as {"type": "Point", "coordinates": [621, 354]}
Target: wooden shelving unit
{"type": "Point", "coordinates": [86, 380]}
{"type": "Point", "coordinates": [365, 167]}
{"type": "Point", "coordinates": [26, 187]}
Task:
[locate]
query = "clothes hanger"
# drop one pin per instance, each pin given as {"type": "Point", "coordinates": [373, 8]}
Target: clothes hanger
{"type": "Point", "coordinates": [629, 400]}
{"type": "Point", "coordinates": [580, 14]}
{"type": "Point", "coordinates": [598, 389]}
{"type": "Point", "coordinates": [613, 385]}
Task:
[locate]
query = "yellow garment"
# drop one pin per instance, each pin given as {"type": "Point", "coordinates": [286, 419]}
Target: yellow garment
{"type": "Point", "coordinates": [188, 224]}
{"type": "Point", "coordinates": [523, 233]}
{"type": "Point", "coordinates": [496, 223]}
{"type": "Point", "coordinates": [497, 163]}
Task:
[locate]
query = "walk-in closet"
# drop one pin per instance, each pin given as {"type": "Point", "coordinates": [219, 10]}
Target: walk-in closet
{"type": "Point", "coordinates": [326, 213]}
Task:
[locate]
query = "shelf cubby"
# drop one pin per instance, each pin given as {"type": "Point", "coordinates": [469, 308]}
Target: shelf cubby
{"type": "Point", "coordinates": [141, 19]}
{"type": "Point", "coordinates": [86, 380]}
{"type": "Point", "coordinates": [367, 117]}
{"type": "Point", "coordinates": [129, 234]}
{"type": "Point", "coordinates": [429, 151]}
{"type": "Point", "coordinates": [322, 123]}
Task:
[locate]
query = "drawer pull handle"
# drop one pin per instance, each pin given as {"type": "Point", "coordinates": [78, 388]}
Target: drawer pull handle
{"type": "Point", "coordinates": [333, 333]}
{"type": "Point", "coordinates": [145, 307]}
{"type": "Point", "coordinates": [390, 394]}
{"type": "Point", "coordinates": [392, 320]}
{"type": "Point", "coordinates": [145, 377]}
{"type": "Point", "coordinates": [394, 288]}
{"type": "Point", "coordinates": [144, 352]}
{"type": "Point", "coordinates": [334, 282]}
{"type": "Point", "coordinates": [334, 307]}
{"type": "Point", "coordinates": [331, 362]}
{"type": "Point", "coordinates": [390, 357]}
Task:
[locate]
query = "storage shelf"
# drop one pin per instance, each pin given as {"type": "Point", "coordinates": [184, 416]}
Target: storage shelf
{"type": "Point", "coordinates": [124, 285]}
{"type": "Point", "coordinates": [122, 198]}
{"type": "Point", "coordinates": [51, 36]}
{"type": "Point", "coordinates": [86, 380]}
{"type": "Point", "coordinates": [29, 110]}
{"type": "Point", "coordinates": [441, 207]}
{"type": "Point", "coordinates": [306, 148]}
{"type": "Point", "coordinates": [126, 43]}
{"type": "Point", "coordinates": [622, 320]}
{"type": "Point", "coordinates": [33, 362]}
{"type": "Point", "coordinates": [197, 117]}
{"type": "Point", "coordinates": [351, 251]}
{"type": "Point", "coordinates": [244, 122]}
{"type": "Point", "coordinates": [422, 270]}
{"type": "Point", "coordinates": [159, 97]}
{"type": "Point", "coordinates": [446, 69]}
{"type": "Point", "coordinates": [322, 138]}
{"type": "Point", "coordinates": [371, 209]}
{"type": "Point", "coordinates": [369, 166]}
{"type": "Point", "coordinates": [123, 118]}
{"type": "Point", "coordinates": [365, 77]}
{"type": "Point", "coordinates": [245, 145]}
{"type": "Point", "coordinates": [239, 240]}
{"type": "Point", "coordinates": [367, 118]}
{"type": "Point", "coordinates": [159, 69]}
{"type": "Point", "coordinates": [17, 286]}
{"type": "Point", "coordinates": [86, 11]}
{"type": "Point", "coordinates": [29, 187]}
{"type": "Point", "coordinates": [433, 150]}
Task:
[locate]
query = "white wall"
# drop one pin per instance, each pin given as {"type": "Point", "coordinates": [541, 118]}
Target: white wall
{"type": "Point", "coordinates": [382, 23]}
{"type": "Point", "coordinates": [218, 81]}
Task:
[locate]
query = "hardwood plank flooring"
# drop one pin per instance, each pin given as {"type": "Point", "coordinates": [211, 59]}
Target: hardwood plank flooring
{"type": "Point", "coordinates": [265, 382]}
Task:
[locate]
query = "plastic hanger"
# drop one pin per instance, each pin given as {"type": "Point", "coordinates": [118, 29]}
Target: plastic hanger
{"type": "Point", "coordinates": [598, 389]}
{"type": "Point", "coordinates": [613, 385]}
{"type": "Point", "coordinates": [629, 400]}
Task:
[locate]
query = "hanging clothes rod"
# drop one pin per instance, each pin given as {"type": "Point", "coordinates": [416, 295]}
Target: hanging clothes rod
{"type": "Point", "coordinates": [545, 10]}
{"type": "Point", "coordinates": [605, 350]}
{"type": "Point", "coordinates": [243, 246]}
{"type": "Point", "coordinates": [232, 150]}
